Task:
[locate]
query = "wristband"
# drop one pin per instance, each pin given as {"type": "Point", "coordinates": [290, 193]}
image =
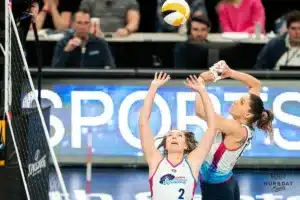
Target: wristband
{"type": "Point", "coordinates": [202, 77]}
{"type": "Point", "coordinates": [204, 82]}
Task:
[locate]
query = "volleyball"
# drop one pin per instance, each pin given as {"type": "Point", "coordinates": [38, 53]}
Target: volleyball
{"type": "Point", "coordinates": [176, 12]}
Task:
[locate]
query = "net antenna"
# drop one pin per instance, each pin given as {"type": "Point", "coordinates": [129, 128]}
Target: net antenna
{"type": "Point", "coordinates": [10, 31]}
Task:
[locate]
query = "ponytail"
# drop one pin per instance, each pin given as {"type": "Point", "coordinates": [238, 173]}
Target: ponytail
{"type": "Point", "coordinates": [265, 122]}
{"type": "Point", "coordinates": [261, 117]}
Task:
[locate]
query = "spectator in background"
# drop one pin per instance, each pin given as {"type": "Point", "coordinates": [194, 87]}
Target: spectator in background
{"type": "Point", "coordinates": [119, 16]}
{"type": "Point", "coordinates": [283, 50]}
{"type": "Point", "coordinates": [79, 48]}
{"type": "Point", "coordinates": [55, 14]}
{"type": "Point", "coordinates": [198, 29]}
{"type": "Point", "coordinates": [197, 9]}
{"type": "Point", "coordinates": [241, 15]}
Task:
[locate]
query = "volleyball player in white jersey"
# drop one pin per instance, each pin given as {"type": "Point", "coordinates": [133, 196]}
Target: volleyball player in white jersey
{"type": "Point", "coordinates": [173, 175]}
{"type": "Point", "coordinates": [233, 136]}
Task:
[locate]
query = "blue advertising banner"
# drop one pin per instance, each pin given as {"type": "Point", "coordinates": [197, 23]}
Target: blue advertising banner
{"type": "Point", "coordinates": [110, 113]}
{"type": "Point", "coordinates": [132, 184]}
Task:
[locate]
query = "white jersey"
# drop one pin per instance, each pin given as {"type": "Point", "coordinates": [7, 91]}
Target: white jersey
{"type": "Point", "coordinates": [172, 182]}
{"type": "Point", "coordinates": [218, 164]}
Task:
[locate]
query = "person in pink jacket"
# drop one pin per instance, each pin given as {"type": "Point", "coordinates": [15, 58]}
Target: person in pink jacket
{"type": "Point", "coordinates": [241, 15]}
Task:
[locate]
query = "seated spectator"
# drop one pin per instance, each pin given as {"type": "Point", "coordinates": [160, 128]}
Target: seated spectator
{"type": "Point", "coordinates": [198, 29]}
{"type": "Point", "coordinates": [283, 50]}
{"type": "Point", "coordinates": [79, 48]}
{"type": "Point", "coordinates": [54, 14]}
{"type": "Point", "coordinates": [241, 15]}
{"type": "Point", "coordinates": [197, 9]}
{"type": "Point", "coordinates": [121, 17]}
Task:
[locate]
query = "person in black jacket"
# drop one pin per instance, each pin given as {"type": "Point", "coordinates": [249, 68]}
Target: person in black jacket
{"type": "Point", "coordinates": [79, 48]}
{"type": "Point", "coordinates": [191, 54]}
{"type": "Point", "coordinates": [283, 50]}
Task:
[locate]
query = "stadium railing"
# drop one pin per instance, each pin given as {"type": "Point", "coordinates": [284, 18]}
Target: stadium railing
{"type": "Point", "coordinates": [148, 73]}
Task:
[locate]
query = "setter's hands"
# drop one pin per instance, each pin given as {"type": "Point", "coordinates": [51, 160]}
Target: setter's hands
{"type": "Point", "coordinates": [160, 79]}
{"type": "Point", "coordinates": [196, 84]}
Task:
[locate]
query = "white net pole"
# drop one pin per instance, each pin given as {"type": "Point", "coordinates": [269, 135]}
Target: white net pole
{"type": "Point", "coordinates": [7, 54]}
{"type": "Point", "coordinates": [60, 178]}
{"type": "Point", "coordinates": [8, 91]}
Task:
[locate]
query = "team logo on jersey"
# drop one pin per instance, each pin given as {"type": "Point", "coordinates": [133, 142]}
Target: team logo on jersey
{"type": "Point", "coordinates": [169, 179]}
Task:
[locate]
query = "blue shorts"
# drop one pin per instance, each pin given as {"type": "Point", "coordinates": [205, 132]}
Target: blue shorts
{"type": "Point", "coordinates": [228, 190]}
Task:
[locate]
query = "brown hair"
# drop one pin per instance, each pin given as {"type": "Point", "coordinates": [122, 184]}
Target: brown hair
{"type": "Point", "coordinates": [291, 17]}
{"type": "Point", "coordinates": [189, 139]}
{"type": "Point", "coordinates": [82, 10]}
{"type": "Point", "coordinates": [262, 117]}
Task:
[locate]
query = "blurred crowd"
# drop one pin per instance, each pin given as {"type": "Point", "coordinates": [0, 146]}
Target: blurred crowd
{"type": "Point", "coordinates": [88, 22]}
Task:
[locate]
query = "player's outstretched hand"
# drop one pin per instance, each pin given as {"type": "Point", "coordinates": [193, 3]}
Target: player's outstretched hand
{"type": "Point", "coordinates": [160, 79]}
{"type": "Point", "coordinates": [195, 83]}
{"type": "Point", "coordinates": [226, 71]}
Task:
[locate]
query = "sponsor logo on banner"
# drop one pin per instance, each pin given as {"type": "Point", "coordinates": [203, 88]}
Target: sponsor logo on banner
{"type": "Point", "coordinates": [78, 108]}
{"type": "Point", "coordinates": [39, 164]}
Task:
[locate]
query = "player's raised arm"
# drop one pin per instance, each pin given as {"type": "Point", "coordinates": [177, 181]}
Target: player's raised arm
{"type": "Point", "coordinates": [152, 155]}
{"type": "Point", "coordinates": [253, 83]}
{"type": "Point", "coordinates": [224, 125]}
{"type": "Point", "coordinates": [200, 112]}
{"type": "Point", "coordinates": [197, 156]}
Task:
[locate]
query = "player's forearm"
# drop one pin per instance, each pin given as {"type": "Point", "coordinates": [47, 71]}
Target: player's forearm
{"type": "Point", "coordinates": [208, 108]}
{"type": "Point", "coordinates": [147, 107]}
{"type": "Point", "coordinates": [199, 104]}
{"type": "Point", "coordinates": [199, 107]}
{"type": "Point", "coordinates": [247, 79]}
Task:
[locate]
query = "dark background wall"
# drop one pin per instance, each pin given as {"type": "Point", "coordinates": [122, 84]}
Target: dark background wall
{"type": "Point", "coordinates": [274, 9]}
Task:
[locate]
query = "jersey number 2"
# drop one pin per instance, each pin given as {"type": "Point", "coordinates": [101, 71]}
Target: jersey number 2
{"type": "Point", "coordinates": [181, 194]}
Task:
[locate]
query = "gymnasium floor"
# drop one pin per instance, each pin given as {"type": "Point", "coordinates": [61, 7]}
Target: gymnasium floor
{"type": "Point", "coordinates": [132, 184]}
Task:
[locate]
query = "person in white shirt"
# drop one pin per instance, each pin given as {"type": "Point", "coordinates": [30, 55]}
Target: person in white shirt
{"type": "Point", "coordinates": [282, 52]}
{"type": "Point", "coordinates": [173, 174]}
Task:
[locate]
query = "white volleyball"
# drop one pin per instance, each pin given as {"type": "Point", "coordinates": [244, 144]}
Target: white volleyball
{"type": "Point", "coordinates": [176, 12]}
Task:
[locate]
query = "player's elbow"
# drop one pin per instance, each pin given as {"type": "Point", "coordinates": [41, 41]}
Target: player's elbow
{"type": "Point", "coordinates": [257, 83]}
